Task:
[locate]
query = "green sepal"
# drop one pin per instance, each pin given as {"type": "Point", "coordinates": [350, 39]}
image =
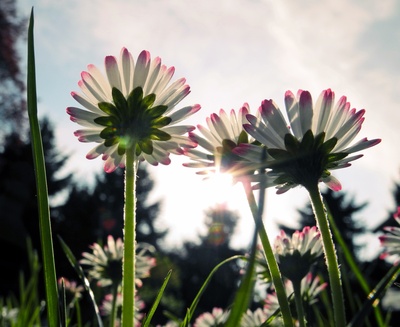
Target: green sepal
{"type": "Point", "coordinates": [146, 146]}
{"type": "Point", "coordinates": [121, 149]}
{"type": "Point", "coordinates": [243, 137]}
{"type": "Point", "coordinates": [134, 98]}
{"type": "Point", "coordinates": [156, 111]}
{"type": "Point", "coordinates": [111, 141]}
{"type": "Point", "coordinates": [329, 145]}
{"type": "Point", "coordinates": [307, 142]}
{"type": "Point", "coordinates": [279, 154]}
{"type": "Point", "coordinates": [159, 135]}
{"type": "Point", "coordinates": [108, 132]}
{"type": "Point", "coordinates": [319, 140]}
{"type": "Point", "coordinates": [107, 108]}
{"type": "Point", "coordinates": [228, 145]}
{"type": "Point", "coordinates": [332, 157]}
{"type": "Point", "coordinates": [106, 121]}
{"type": "Point", "coordinates": [281, 180]}
{"type": "Point", "coordinates": [119, 100]}
{"type": "Point", "coordinates": [148, 100]}
{"type": "Point", "coordinates": [161, 122]}
{"type": "Point", "coordinates": [291, 143]}
{"type": "Point", "coordinates": [138, 150]}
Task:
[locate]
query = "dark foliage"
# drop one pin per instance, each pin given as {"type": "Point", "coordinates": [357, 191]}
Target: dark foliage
{"type": "Point", "coordinates": [12, 99]}
{"type": "Point", "coordinates": [18, 204]}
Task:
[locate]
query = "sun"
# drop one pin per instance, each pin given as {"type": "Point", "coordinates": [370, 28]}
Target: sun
{"type": "Point", "coordinates": [219, 188]}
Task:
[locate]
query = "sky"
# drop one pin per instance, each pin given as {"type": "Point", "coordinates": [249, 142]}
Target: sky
{"type": "Point", "coordinates": [231, 52]}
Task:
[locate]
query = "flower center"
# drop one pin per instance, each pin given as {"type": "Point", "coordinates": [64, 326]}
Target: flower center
{"type": "Point", "coordinates": [133, 121]}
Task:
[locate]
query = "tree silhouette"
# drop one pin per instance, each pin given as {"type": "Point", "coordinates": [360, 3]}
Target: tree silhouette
{"type": "Point", "coordinates": [389, 221]}
{"type": "Point", "coordinates": [18, 203]}
{"type": "Point", "coordinates": [196, 261]}
{"type": "Point", "coordinates": [89, 216]}
{"type": "Point", "coordinates": [342, 210]}
{"type": "Point", "coordinates": [12, 100]}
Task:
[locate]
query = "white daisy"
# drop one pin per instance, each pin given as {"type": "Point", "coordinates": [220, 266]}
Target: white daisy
{"type": "Point", "coordinates": [317, 139]}
{"type": "Point", "coordinates": [132, 106]}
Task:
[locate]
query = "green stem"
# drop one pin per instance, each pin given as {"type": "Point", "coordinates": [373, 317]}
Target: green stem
{"type": "Point", "coordinates": [271, 261]}
{"type": "Point", "coordinates": [299, 302]}
{"type": "Point", "coordinates": [128, 274]}
{"type": "Point", "coordinates": [330, 255]}
{"type": "Point", "coordinates": [353, 265]}
{"type": "Point", "coordinates": [113, 314]}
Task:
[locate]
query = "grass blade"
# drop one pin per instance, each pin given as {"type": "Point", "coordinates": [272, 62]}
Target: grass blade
{"type": "Point", "coordinates": [375, 295]}
{"type": "Point", "coordinates": [196, 300]}
{"type": "Point", "coordinates": [41, 184]}
{"type": "Point", "coordinates": [243, 294]}
{"type": "Point", "coordinates": [83, 278]}
{"type": "Point", "coordinates": [153, 309]}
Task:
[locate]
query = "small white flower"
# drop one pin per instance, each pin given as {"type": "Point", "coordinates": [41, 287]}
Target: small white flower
{"type": "Point", "coordinates": [223, 133]}
{"type": "Point", "coordinates": [296, 254]}
{"type": "Point", "coordinates": [216, 318]}
{"type": "Point", "coordinates": [391, 240]}
{"type": "Point", "coordinates": [106, 262]}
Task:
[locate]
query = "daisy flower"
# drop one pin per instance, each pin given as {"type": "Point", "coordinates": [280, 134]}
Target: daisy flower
{"type": "Point", "coordinates": [296, 254]}
{"type": "Point", "coordinates": [391, 240]}
{"type": "Point", "coordinates": [216, 318]}
{"type": "Point", "coordinates": [317, 139]}
{"type": "Point", "coordinates": [132, 107]}
{"type": "Point", "coordinates": [73, 291]}
{"type": "Point", "coordinates": [254, 318]}
{"type": "Point", "coordinates": [311, 287]}
{"type": "Point", "coordinates": [223, 133]}
{"type": "Point", "coordinates": [106, 262]}
{"type": "Point", "coordinates": [106, 308]}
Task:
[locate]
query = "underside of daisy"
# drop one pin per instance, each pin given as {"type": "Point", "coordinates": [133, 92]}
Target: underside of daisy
{"type": "Point", "coordinates": [317, 139]}
{"type": "Point", "coordinates": [216, 142]}
{"type": "Point", "coordinates": [132, 108]}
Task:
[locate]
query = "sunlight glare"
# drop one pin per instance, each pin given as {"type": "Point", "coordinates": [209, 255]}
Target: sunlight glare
{"type": "Point", "coordinates": [219, 188]}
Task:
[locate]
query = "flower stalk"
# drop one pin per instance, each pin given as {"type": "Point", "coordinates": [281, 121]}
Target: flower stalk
{"type": "Point", "coordinates": [113, 314]}
{"type": "Point", "coordinates": [299, 303]}
{"type": "Point", "coordinates": [128, 271]}
{"type": "Point", "coordinates": [330, 254]}
{"type": "Point", "coordinates": [270, 258]}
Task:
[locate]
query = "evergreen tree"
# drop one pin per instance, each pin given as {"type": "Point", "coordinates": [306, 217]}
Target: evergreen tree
{"type": "Point", "coordinates": [12, 99]}
{"type": "Point", "coordinates": [89, 216]}
{"type": "Point", "coordinates": [109, 194]}
{"type": "Point", "coordinates": [196, 261]}
{"type": "Point", "coordinates": [18, 202]}
{"type": "Point", "coordinates": [342, 210]}
{"type": "Point", "coordinates": [389, 221]}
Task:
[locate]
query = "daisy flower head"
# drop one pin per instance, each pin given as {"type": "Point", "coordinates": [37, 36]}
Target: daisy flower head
{"type": "Point", "coordinates": [106, 308]}
{"type": "Point", "coordinates": [132, 107]}
{"type": "Point", "coordinates": [295, 255]}
{"type": "Point", "coordinates": [254, 318]}
{"type": "Point", "coordinates": [310, 286]}
{"type": "Point", "coordinates": [216, 318]}
{"type": "Point", "coordinates": [223, 133]}
{"type": "Point", "coordinates": [73, 291]}
{"type": "Point", "coordinates": [105, 262]}
{"type": "Point", "coordinates": [317, 139]}
{"type": "Point", "coordinates": [391, 240]}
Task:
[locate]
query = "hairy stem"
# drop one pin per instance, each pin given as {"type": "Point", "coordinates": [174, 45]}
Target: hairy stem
{"type": "Point", "coordinates": [128, 272]}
